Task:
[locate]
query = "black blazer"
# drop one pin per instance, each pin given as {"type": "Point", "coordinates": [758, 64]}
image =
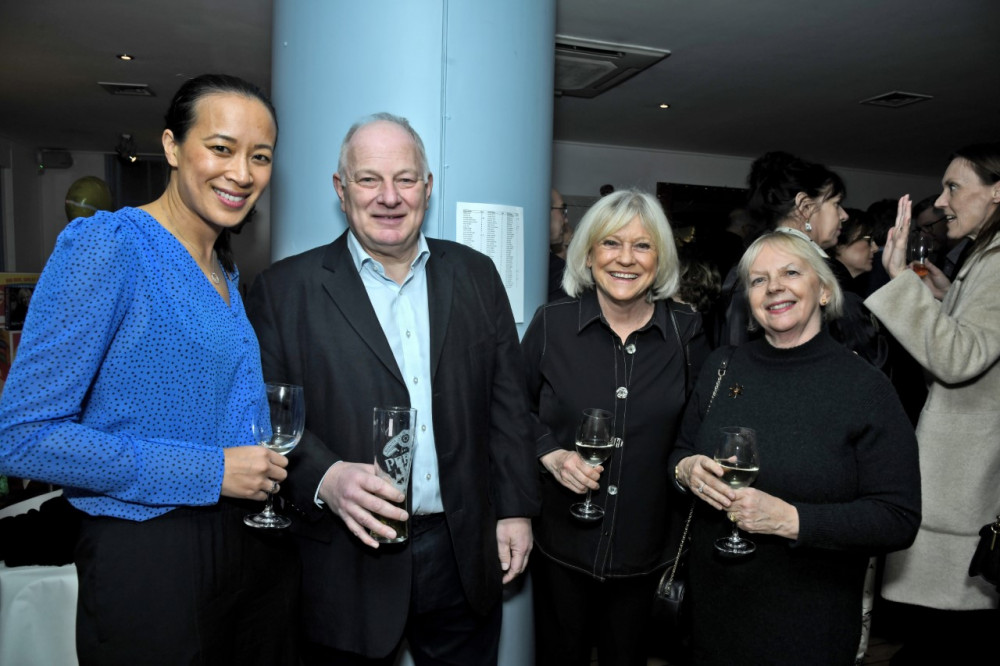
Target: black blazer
{"type": "Point", "coordinates": [317, 328]}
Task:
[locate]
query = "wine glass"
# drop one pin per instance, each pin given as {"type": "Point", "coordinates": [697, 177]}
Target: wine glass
{"type": "Point", "coordinates": [918, 249]}
{"type": "Point", "coordinates": [594, 444]}
{"type": "Point", "coordinates": [280, 432]}
{"type": "Point", "coordinates": [740, 460]}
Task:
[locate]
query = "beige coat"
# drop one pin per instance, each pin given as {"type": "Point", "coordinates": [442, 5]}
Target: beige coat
{"type": "Point", "coordinates": [958, 342]}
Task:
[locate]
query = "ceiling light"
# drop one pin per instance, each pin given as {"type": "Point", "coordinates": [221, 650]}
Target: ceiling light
{"type": "Point", "coordinates": [664, 106]}
{"type": "Point", "coordinates": [125, 56]}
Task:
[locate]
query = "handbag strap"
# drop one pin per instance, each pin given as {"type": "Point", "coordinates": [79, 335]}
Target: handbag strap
{"type": "Point", "coordinates": [684, 349]}
{"type": "Point", "coordinates": [687, 524]}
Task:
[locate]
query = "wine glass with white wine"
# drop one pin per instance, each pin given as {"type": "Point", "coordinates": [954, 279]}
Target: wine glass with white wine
{"type": "Point", "coordinates": [280, 432]}
{"type": "Point", "coordinates": [740, 459]}
{"type": "Point", "coordinates": [595, 445]}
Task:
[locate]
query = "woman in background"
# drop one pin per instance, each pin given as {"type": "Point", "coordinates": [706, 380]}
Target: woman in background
{"type": "Point", "coordinates": [953, 330]}
{"type": "Point", "coordinates": [140, 404]}
{"type": "Point", "coordinates": [854, 251]}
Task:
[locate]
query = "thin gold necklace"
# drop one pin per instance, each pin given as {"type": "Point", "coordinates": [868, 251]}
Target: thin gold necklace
{"type": "Point", "coordinates": [212, 274]}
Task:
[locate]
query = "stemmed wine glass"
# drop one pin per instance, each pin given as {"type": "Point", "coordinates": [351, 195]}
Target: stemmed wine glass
{"type": "Point", "coordinates": [280, 432]}
{"type": "Point", "coordinates": [594, 444]}
{"type": "Point", "coordinates": [740, 460]}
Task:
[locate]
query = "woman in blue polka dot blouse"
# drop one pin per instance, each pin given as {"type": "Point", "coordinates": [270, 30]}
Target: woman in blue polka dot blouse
{"type": "Point", "coordinates": [135, 384]}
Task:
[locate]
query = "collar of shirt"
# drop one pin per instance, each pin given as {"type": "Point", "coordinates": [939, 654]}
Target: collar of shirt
{"type": "Point", "coordinates": [403, 312]}
{"type": "Point", "coordinates": [361, 258]}
{"type": "Point", "coordinates": [791, 231]}
{"type": "Point", "coordinates": [590, 313]}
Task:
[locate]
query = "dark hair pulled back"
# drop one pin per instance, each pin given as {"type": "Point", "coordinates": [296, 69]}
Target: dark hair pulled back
{"type": "Point", "coordinates": [777, 177]}
{"type": "Point", "coordinates": [984, 158]}
{"type": "Point", "coordinates": [181, 116]}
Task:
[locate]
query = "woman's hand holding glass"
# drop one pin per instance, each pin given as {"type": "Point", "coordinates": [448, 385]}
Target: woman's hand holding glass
{"type": "Point", "coordinates": [250, 472]}
{"type": "Point", "coordinates": [570, 470]}
{"type": "Point", "coordinates": [895, 258]}
{"type": "Point", "coordinates": [703, 476]}
{"type": "Point", "coordinates": [756, 512]}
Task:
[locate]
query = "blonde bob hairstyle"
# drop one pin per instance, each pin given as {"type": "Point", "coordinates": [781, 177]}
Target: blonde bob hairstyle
{"type": "Point", "coordinates": [609, 215]}
{"type": "Point", "coordinates": [800, 249]}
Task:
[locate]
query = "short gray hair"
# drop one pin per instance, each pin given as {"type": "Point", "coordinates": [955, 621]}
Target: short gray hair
{"type": "Point", "coordinates": [384, 118]}
{"type": "Point", "coordinates": [607, 216]}
{"type": "Point", "coordinates": [801, 249]}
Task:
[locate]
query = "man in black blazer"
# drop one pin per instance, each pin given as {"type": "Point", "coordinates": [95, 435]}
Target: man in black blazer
{"type": "Point", "coordinates": [384, 316]}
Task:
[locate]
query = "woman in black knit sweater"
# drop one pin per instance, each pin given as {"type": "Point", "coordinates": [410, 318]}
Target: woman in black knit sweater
{"type": "Point", "coordinates": [838, 481]}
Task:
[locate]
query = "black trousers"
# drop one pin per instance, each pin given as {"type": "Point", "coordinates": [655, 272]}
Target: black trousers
{"type": "Point", "coordinates": [574, 612]}
{"type": "Point", "coordinates": [194, 586]}
{"type": "Point", "coordinates": [442, 629]}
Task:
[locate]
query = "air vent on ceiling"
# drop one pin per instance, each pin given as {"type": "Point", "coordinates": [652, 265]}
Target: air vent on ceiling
{"type": "Point", "coordinates": [127, 89]}
{"type": "Point", "coordinates": [586, 67]}
{"type": "Point", "coordinates": [896, 99]}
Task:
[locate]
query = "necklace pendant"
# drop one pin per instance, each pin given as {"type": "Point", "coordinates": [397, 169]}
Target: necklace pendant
{"type": "Point", "coordinates": [621, 393]}
{"type": "Point", "coordinates": [630, 348]}
{"type": "Point", "coordinates": [215, 277]}
{"type": "Point", "coordinates": [736, 390]}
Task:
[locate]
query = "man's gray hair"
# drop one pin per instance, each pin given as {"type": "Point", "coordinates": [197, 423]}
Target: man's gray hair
{"type": "Point", "coordinates": [386, 118]}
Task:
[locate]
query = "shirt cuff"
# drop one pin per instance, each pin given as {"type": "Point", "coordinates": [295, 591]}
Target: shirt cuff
{"type": "Point", "coordinates": [316, 500]}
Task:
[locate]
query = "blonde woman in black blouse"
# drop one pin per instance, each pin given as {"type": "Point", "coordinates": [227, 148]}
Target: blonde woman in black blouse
{"type": "Point", "coordinates": [618, 343]}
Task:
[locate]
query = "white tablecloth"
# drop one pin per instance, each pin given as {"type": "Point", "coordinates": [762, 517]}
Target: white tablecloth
{"type": "Point", "coordinates": [38, 616]}
{"type": "Point", "coordinates": [37, 608]}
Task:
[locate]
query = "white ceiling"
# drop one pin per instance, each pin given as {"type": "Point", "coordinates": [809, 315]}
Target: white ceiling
{"type": "Point", "coordinates": [744, 77]}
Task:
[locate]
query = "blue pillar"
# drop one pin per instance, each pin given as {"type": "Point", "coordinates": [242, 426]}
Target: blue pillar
{"type": "Point", "coordinates": [475, 79]}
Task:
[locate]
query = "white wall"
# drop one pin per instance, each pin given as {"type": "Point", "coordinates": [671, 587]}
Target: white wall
{"type": "Point", "coordinates": [579, 169]}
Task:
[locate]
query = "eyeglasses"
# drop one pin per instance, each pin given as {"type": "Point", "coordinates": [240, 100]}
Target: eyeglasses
{"type": "Point", "coordinates": [564, 208]}
{"type": "Point", "coordinates": [377, 182]}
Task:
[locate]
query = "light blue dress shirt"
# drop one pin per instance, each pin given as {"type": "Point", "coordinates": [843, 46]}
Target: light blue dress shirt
{"type": "Point", "coordinates": [404, 315]}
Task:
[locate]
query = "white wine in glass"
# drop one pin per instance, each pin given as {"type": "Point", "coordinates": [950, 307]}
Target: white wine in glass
{"type": "Point", "coordinates": [595, 444]}
{"type": "Point", "coordinates": [739, 457]}
{"type": "Point", "coordinates": [280, 431]}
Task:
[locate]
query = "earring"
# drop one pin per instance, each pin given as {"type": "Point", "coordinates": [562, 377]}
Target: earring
{"type": "Point", "coordinates": [823, 301]}
{"type": "Point", "coordinates": [809, 227]}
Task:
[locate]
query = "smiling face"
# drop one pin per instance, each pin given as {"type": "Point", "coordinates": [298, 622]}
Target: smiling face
{"type": "Point", "coordinates": [224, 162]}
{"type": "Point", "coordinates": [785, 295]}
{"type": "Point", "coordinates": [385, 195]}
{"type": "Point", "coordinates": [966, 201]}
{"type": "Point", "coordinates": [826, 221]}
{"type": "Point", "coordinates": [623, 265]}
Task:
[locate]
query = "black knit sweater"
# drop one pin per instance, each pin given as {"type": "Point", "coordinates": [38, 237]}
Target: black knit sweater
{"type": "Point", "coordinates": [836, 444]}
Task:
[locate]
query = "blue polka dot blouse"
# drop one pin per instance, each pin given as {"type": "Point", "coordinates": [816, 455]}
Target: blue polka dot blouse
{"type": "Point", "coordinates": [132, 374]}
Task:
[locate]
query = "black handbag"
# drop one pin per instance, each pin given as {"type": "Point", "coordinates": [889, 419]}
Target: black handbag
{"type": "Point", "coordinates": [986, 561]}
{"type": "Point", "coordinates": [669, 601]}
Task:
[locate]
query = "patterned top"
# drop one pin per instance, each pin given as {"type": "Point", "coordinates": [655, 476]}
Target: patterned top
{"type": "Point", "coordinates": [132, 373]}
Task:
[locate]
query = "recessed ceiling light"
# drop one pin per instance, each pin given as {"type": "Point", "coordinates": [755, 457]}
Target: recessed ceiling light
{"type": "Point", "coordinates": [664, 106]}
{"type": "Point", "coordinates": [125, 56]}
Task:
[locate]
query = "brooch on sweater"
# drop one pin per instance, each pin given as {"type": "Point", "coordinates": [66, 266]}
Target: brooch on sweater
{"type": "Point", "coordinates": [736, 390]}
